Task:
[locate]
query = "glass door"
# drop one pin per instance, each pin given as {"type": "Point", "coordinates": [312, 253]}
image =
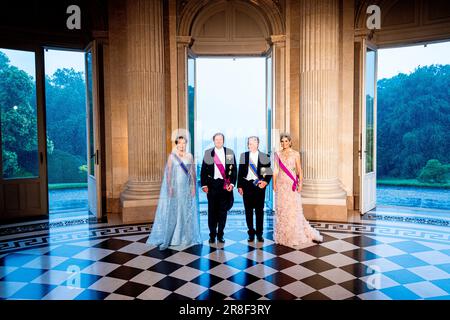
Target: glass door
{"type": "Point", "coordinates": [93, 132]}
{"type": "Point", "coordinates": [368, 129]}
{"type": "Point", "coordinates": [192, 116]}
{"type": "Point", "coordinates": [269, 120]}
{"type": "Point", "coordinates": [23, 182]}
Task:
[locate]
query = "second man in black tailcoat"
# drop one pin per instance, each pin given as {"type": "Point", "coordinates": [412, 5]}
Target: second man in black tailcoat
{"type": "Point", "coordinates": [253, 177]}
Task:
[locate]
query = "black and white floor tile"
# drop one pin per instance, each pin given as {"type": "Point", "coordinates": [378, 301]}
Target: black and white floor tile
{"type": "Point", "coordinates": [369, 261]}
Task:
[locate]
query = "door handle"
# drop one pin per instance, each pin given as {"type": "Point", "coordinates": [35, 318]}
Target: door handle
{"type": "Point", "coordinates": [96, 157]}
{"type": "Point", "coordinates": [41, 157]}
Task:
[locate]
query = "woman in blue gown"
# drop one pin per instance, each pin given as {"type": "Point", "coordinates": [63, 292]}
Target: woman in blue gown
{"type": "Point", "coordinates": [177, 221]}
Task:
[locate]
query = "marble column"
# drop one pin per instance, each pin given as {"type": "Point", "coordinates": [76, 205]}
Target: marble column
{"type": "Point", "coordinates": [146, 109]}
{"type": "Point", "coordinates": [319, 99]}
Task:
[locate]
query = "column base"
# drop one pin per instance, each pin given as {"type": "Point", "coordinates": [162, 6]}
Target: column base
{"type": "Point", "coordinates": [137, 211]}
{"type": "Point", "coordinates": [325, 209]}
{"type": "Point", "coordinates": [139, 201]}
{"type": "Point", "coordinates": [323, 189]}
{"type": "Point", "coordinates": [324, 200]}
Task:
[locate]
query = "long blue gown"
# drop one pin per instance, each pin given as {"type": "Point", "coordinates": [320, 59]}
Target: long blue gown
{"type": "Point", "coordinates": [177, 220]}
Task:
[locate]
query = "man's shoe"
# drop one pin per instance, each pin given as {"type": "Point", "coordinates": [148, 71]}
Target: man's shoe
{"type": "Point", "coordinates": [250, 239]}
{"type": "Point", "coordinates": [211, 240]}
{"type": "Point", "coordinates": [221, 240]}
{"type": "Point", "coordinates": [260, 239]}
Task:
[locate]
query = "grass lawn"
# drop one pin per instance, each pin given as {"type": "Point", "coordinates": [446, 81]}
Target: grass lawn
{"type": "Point", "coordinates": [411, 183]}
{"type": "Point", "coordinates": [55, 186]}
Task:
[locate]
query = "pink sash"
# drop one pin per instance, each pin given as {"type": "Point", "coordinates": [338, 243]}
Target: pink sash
{"type": "Point", "coordinates": [226, 181]}
{"type": "Point", "coordinates": [288, 173]}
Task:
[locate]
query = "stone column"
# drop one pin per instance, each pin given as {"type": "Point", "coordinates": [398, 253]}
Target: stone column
{"type": "Point", "coordinates": [319, 93]}
{"type": "Point", "coordinates": [146, 109]}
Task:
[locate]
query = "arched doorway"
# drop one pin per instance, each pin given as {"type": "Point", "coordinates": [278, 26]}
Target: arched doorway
{"type": "Point", "coordinates": [233, 29]}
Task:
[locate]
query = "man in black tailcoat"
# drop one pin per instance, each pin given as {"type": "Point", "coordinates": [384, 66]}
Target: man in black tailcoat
{"type": "Point", "coordinates": [218, 177]}
{"type": "Point", "coordinates": [254, 176]}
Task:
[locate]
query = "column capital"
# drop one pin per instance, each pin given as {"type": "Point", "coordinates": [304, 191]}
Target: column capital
{"type": "Point", "coordinates": [278, 39]}
{"type": "Point", "coordinates": [185, 41]}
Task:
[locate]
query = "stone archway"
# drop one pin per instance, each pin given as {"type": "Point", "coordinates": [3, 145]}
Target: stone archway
{"type": "Point", "coordinates": [230, 28]}
{"type": "Point", "coordinates": [268, 9]}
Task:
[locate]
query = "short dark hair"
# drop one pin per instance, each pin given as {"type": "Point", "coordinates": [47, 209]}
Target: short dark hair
{"type": "Point", "coordinates": [219, 134]}
{"type": "Point", "coordinates": [179, 138]}
{"type": "Point", "coordinates": [253, 137]}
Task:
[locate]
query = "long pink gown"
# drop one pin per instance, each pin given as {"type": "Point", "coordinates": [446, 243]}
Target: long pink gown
{"type": "Point", "coordinates": [290, 226]}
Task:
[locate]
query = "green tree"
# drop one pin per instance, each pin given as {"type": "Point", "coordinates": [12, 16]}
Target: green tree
{"type": "Point", "coordinates": [65, 168]}
{"type": "Point", "coordinates": [413, 119]}
{"type": "Point", "coordinates": [434, 172]}
{"type": "Point", "coordinates": [18, 120]}
{"type": "Point", "coordinates": [66, 111]}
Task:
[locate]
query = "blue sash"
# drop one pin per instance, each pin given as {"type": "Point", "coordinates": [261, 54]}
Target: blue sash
{"type": "Point", "coordinates": [182, 165]}
{"type": "Point", "coordinates": [255, 171]}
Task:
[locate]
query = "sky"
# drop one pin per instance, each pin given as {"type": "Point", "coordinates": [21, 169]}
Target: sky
{"type": "Point", "coordinates": [231, 98]}
{"type": "Point", "coordinates": [404, 60]}
{"type": "Point", "coordinates": [24, 60]}
{"type": "Point", "coordinates": [54, 59]}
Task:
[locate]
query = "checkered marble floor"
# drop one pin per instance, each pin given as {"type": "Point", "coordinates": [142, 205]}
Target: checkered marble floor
{"type": "Point", "coordinates": [355, 261]}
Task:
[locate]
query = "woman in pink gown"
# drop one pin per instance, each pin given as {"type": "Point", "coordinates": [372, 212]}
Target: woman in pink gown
{"type": "Point", "coordinates": [290, 226]}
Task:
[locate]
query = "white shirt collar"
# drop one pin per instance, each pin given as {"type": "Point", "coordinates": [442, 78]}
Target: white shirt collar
{"type": "Point", "coordinates": [219, 150]}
